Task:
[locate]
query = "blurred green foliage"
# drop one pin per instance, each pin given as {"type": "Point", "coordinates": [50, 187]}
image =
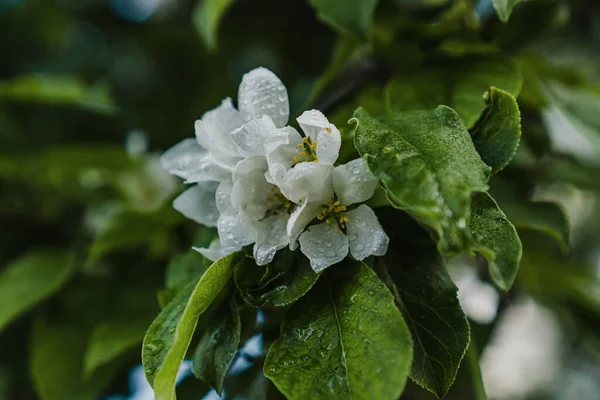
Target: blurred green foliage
{"type": "Point", "coordinates": [91, 91]}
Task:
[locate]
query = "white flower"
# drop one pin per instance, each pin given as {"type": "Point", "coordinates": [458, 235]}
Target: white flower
{"type": "Point", "coordinates": [225, 135]}
{"type": "Point", "coordinates": [326, 243]}
{"type": "Point", "coordinates": [253, 211]}
{"type": "Point", "coordinates": [302, 167]}
{"type": "Point", "coordinates": [228, 162]}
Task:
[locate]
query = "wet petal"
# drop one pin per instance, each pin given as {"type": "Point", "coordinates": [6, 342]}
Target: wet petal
{"type": "Point", "coordinates": [215, 251]}
{"type": "Point", "coordinates": [223, 197]}
{"type": "Point", "coordinates": [308, 178]}
{"type": "Point", "coordinates": [299, 219]}
{"type": "Point", "coordinates": [365, 234]}
{"type": "Point", "coordinates": [262, 93]}
{"type": "Point", "coordinates": [183, 158]}
{"type": "Point", "coordinates": [283, 136]}
{"type": "Point", "coordinates": [324, 245]}
{"type": "Point", "coordinates": [213, 130]}
{"type": "Point", "coordinates": [248, 166]}
{"type": "Point", "coordinates": [207, 170]}
{"type": "Point", "coordinates": [249, 195]}
{"type": "Point", "coordinates": [235, 230]}
{"type": "Point", "coordinates": [329, 142]}
{"type": "Point", "coordinates": [354, 182]}
{"type": "Point", "coordinates": [312, 122]}
{"type": "Point", "coordinates": [251, 137]}
{"type": "Point", "coordinates": [271, 236]}
{"type": "Point", "coordinates": [198, 203]}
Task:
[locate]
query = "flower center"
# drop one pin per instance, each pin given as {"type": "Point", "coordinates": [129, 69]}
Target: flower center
{"type": "Point", "coordinates": [307, 151]}
{"type": "Point", "coordinates": [331, 212]}
{"type": "Point", "coordinates": [277, 203]}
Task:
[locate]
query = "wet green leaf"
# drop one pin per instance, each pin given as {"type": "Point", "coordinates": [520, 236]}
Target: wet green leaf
{"type": "Point", "coordinates": [495, 238]}
{"type": "Point", "coordinates": [279, 283]}
{"type": "Point", "coordinates": [31, 279]}
{"type": "Point", "coordinates": [504, 8]}
{"type": "Point", "coordinates": [206, 18]}
{"type": "Point", "coordinates": [415, 272]}
{"type": "Point", "coordinates": [169, 336]}
{"type": "Point", "coordinates": [428, 165]}
{"type": "Point", "coordinates": [346, 340]}
{"type": "Point", "coordinates": [218, 347]}
{"type": "Point", "coordinates": [461, 87]}
{"type": "Point", "coordinates": [349, 16]}
{"type": "Point", "coordinates": [498, 134]}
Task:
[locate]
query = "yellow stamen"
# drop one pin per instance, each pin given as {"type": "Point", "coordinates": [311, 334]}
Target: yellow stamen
{"type": "Point", "coordinates": [296, 159]}
{"type": "Point", "coordinates": [302, 154]}
{"type": "Point", "coordinates": [328, 130]}
{"type": "Point", "coordinates": [320, 217]}
{"type": "Point", "coordinates": [300, 145]}
{"type": "Point", "coordinates": [304, 140]}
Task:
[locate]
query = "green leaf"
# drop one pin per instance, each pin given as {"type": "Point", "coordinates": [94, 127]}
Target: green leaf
{"type": "Point", "coordinates": [498, 134]}
{"type": "Point", "coordinates": [348, 16]}
{"type": "Point", "coordinates": [573, 122]}
{"type": "Point", "coordinates": [207, 16]}
{"type": "Point", "coordinates": [495, 238]}
{"type": "Point", "coordinates": [415, 272]}
{"type": "Point", "coordinates": [428, 165]}
{"type": "Point", "coordinates": [56, 362]}
{"type": "Point", "coordinates": [504, 8]}
{"type": "Point", "coordinates": [346, 340]}
{"type": "Point", "coordinates": [218, 347]}
{"type": "Point", "coordinates": [127, 228]}
{"type": "Point", "coordinates": [475, 370]}
{"type": "Point", "coordinates": [183, 269]}
{"type": "Point", "coordinates": [462, 87]}
{"type": "Point", "coordinates": [31, 279]}
{"type": "Point", "coordinates": [280, 283]}
{"type": "Point", "coordinates": [122, 329]}
{"type": "Point", "coordinates": [57, 89]}
{"type": "Point", "coordinates": [546, 217]}
{"type": "Point", "coordinates": [169, 336]}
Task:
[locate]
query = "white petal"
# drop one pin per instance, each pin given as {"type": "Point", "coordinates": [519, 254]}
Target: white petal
{"type": "Point", "coordinates": [235, 230]}
{"type": "Point", "coordinates": [248, 166]}
{"type": "Point", "coordinates": [301, 217]}
{"type": "Point", "coordinates": [312, 122]}
{"type": "Point", "coordinates": [249, 195]}
{"type": "Point", "coordinates": [283, 136]}
{"type": "Point", "coordinates": [365, 234]}
{"type": "Point", "coordinates": [354, 182]}
{"type": "Point", "coordinates": [280, 157]}
{"type": "Point", "coordinates": [251, 137]}
{"type": "Point", "coordinates": [262, 93]}
{"type": "Point", "coordinates": [198, 203]}
{"type": "Point", "coordinates": [308, 178]}
{"type": "Point", "coordinates": [223, 197]}
{"type": "Point", "coordinates": [215, 251]}
{"type": "Point", "coordinates": [207, 169]}
{"type": "Point", "coordinates": [270, 236]}
{"type": "Point", "coordinates": [329, 142]}
{"type": "Point", "coordinates": [213, 130]}
{"type": "Point", "coordinates": [324, 245]}
{"type": "Point", "coordinates": [183, 158]}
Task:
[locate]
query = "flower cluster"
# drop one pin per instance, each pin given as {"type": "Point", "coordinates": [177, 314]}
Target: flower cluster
{"type": "Point", "coordinates": [261, 182]}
